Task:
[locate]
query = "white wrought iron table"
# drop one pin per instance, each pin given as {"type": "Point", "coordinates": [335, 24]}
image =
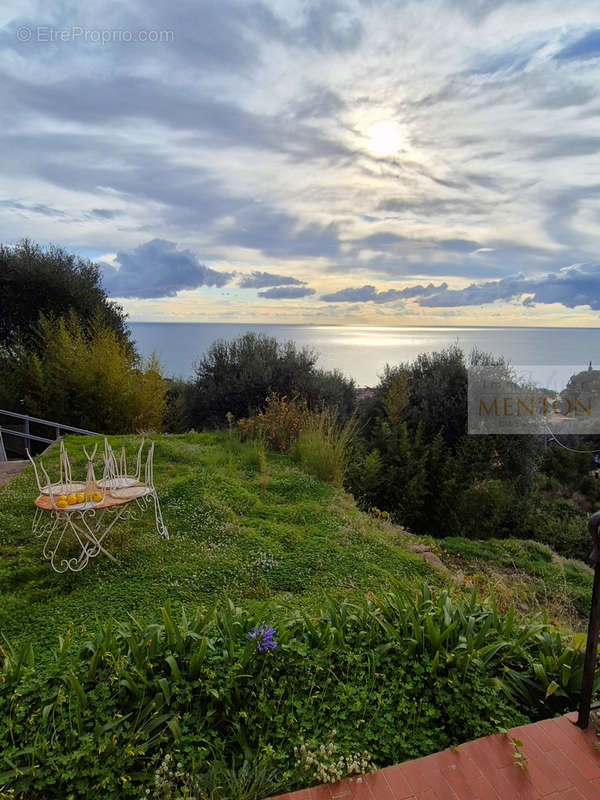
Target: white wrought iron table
{"type": "Point", "coordinates": [86, 524]}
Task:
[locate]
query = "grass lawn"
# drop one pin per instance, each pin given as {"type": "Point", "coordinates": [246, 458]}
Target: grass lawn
{"type": "Point", "coordinates": [237, 529]}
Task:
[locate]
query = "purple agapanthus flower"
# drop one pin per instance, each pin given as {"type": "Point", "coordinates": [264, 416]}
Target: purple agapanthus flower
{"type": "Point", "coordinates": [263, 635]}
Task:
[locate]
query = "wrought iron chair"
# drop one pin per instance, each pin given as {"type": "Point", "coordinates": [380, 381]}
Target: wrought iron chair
{"type": "Point", "coordinates": [65, 484]}
{"type": "Point", "coordinates": [145, 492]}
{"type": "Point", "coordinates": [115, 470]}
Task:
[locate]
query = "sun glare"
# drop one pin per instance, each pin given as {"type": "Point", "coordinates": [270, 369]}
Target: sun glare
{"type": "Point", "coordinates": [385, 138]}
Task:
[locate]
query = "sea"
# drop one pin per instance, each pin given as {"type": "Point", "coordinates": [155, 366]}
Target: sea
{"type": "Point", "coordinates": [547, 355]}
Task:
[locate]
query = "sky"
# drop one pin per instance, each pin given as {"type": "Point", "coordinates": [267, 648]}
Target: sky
{"type": "Point", "coordinates": [328, 162]}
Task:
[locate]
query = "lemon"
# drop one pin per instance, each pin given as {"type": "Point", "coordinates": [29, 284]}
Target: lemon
{"type": "Point", "coordinates": [97, 497]}
{"type": "Point", "coordinates": [61, 497]}
{"type": "Point", "coordinates": [72, 499]}
{"type": "Point", "coordinates": [80, 497]}
{"type": "Point", "coordinates": [61, 504]}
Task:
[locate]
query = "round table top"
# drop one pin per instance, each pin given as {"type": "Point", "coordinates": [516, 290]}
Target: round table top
{"type": "Point", "coordinates": [108, 501]}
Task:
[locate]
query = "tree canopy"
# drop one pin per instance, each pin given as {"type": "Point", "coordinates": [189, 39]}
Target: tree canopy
{"type": "Point", "coordinates": [236, 377]}
{"type": "Point", "coordinates": [55, 283]}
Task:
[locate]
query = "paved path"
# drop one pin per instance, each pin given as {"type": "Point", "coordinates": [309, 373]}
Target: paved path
{"type": "Point", "coordinates": [8, 470]}
{"type": "Point", "coordinates": [561, 763]}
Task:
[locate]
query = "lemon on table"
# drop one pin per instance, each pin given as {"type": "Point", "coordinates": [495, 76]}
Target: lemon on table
{"type": "Point", "coordinates": [61, 497]}
{"type": "Point", "coordinates": [80, 497]}
{"type": "Point", "coordinates": [61, 504]}
{"type": "Point", "coordinates": [97, 497]}
{"type": "Point", "coordinates": [72, 499]}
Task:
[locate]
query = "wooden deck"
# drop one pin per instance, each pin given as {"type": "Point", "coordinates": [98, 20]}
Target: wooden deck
{"type": "Point", "coordinates": [560, 762]}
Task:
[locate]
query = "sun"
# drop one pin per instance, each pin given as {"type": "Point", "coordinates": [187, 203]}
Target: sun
{"type": "Point", "coordinates": [385, 138]}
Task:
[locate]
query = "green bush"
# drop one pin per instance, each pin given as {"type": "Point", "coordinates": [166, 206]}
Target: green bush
{"type": "Point", "coordinates": [90, 379]}
{"type": "Point", "coordinates": [322, 446]}
{"type": "Point", "coordinates": [563, 527]}
{"type": "Point", "coordinates": [235, 377]}
{"type": "Point", "coordinates": [397, 677]}
{"type": "Point", "coordinates": [483, 507]}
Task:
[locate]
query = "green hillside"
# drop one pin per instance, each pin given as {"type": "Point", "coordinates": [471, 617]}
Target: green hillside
{"type": "Point", "coordinates": [237, 529]}
{"type": "Point", "coordinates": [252, 529]}
{"type": "Point", "coordinates": [384, 646]}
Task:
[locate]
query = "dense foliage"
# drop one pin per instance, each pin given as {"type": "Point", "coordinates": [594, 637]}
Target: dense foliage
{"type": "Point", "coordinates": [235, 378]}
{"type": "Point", "coordinates": [89, 378]}
{"type": "Point", "coordinates": [416, 461]}
{"type": "Point", "coordinates": [390, 677]}
{"type": "Point", "coordinates": [52, 282]}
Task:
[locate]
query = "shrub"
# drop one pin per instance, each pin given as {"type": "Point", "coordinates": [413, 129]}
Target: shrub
{"type": "Point", "coordinates": [235, 377]}
{"type": "Point", "coordinates": [315, 439]}
{"type": "Point", "coordinates": [322, 446]}
{"type": "Point", "coordinates": [87, 379]}
{"type": "Point", "coordinates": [482, 509]}
{"type": "Point", "coordinates": [177, 414]}
{"type": "Point", "coordinates": [564, 528]}
{"type": "Point", "coordinates": [278, 423]}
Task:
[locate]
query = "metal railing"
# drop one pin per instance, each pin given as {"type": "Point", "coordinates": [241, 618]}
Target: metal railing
{"type": "Point", "coordinates": [29, 437]}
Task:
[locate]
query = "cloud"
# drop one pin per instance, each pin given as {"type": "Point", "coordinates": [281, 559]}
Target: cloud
{"type": "Point", "coordinates": [368, 293]}
{"type": "Point", "coordinates": [244, 137]}
{"type": "Point", "coordinates": [278, 234]}
{"type": "Point", "coordinates": [104, 213]}
{"type": "Point", "coordinates": [562, 146]}
{"type": "Point", "coordinates": [158, 269]}
{"type": "Point", "coordinates": [573, 286]}
{"type": "Point", "coordinates": [31, 208]}
{"type": "Point", "coordinates": [258, 280]}
{"type": "Point", "coordinates": [576, 285]}
{"type": "Point", "coordinates": [287, 292]}
{"type": "Point", "coordinates": [586, 47]}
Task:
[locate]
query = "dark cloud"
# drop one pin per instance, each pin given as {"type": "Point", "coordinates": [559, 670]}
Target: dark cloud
{"type": "Point", "coordinates": [577, 285]}
{"type": "Point", "coordinates": [159, 269]}
{"type": "Point", "coordinates": [459, 245]}
{"type": "Point", "coordinates": [286, 292]}
{"type": "Point", "coordinates": [319, 102]}
{"type": "Point", "coordinates": [104, 213]}
{"type": "Point", "coordinates": [279, 235]}
{"type": "Point", "coordinates": [570, 94]}
{"type": "Point", "coordinates": [369, 293]}
{"type": "Point", "coordinates": [258, 280]}
{"type": "Point", "coordinates": [208, 119]}
{"type": "Point", "coordinates": [586, 47]}
{"type": "Point", "coordinates": [561, 146]}
{"type": "Point", "coordinates": [32, 208]}
{"type": "Point", "coordinates": [329, 25]}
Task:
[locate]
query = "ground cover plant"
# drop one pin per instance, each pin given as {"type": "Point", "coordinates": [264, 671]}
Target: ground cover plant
{"type": "Point", "coordinates": [389, 678]}
{"type": "Point", "coordinates": [276, 614]}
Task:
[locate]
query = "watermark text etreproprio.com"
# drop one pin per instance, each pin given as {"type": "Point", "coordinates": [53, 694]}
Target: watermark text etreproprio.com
{"type": "Point", "coordinates": [76, 33]}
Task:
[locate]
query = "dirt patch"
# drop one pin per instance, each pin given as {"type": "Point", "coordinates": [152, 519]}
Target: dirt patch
{"type": "Point", "coordinates": [9, 469]}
